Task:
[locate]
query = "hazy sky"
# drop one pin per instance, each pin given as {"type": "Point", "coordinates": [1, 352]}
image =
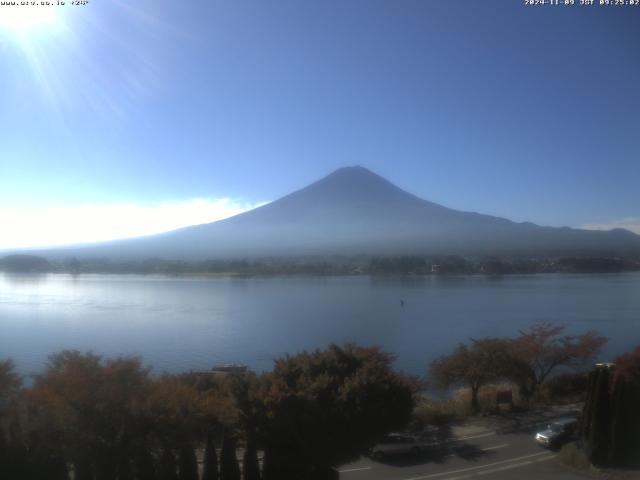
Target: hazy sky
{"type": "Point", "coordinates": [187, 111]}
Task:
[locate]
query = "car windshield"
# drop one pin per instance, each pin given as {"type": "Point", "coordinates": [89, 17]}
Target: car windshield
{"type": "Point", "coordinates": [556, 428]}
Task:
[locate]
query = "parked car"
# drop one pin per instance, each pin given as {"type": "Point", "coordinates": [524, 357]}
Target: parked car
{"type": "Point", "coordinates": [398, 444]}
{"type": "Point", "coordinates": [557, 432]}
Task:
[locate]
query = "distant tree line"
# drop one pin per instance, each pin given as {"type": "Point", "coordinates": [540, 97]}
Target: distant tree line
{"type": "Point", "coordinates": [25, 264]}
{"type": "Point", "coordinates": [332, 265]}
{"type": "Point", "coordinates": [94, 419]}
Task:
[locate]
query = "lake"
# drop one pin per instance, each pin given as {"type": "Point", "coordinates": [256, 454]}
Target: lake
{"type": "Point", "coordinates": [178, 324]}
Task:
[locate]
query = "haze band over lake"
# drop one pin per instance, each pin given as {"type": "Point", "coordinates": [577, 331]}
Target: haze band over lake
{"type": "Point", "coordinates": [350, 222]}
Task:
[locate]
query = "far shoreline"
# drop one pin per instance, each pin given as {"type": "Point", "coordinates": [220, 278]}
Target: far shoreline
{"type": "Point", "coordinates": [324, 266]}
{"type": "Point", "coordinates": [238, 275]}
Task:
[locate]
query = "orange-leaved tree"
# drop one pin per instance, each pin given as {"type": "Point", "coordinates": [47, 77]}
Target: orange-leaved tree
{"type": "Point", "coordinates": [472, 366]}
{"type": "Point", "coordinates": [542, 349]}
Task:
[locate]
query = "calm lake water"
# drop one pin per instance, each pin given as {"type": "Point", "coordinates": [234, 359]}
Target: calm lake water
{"type": "Point", "coordinates": [177, 324]}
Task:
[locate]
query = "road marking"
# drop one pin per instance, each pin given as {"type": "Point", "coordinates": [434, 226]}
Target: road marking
{"type": "Point", "coordinates": [478, 467]}
{"type": "Point", "coordinates": [501, 469]}
{"type": "Point", "coordinates": [484, 449]}
{"type": "Point", "coordinates": [354, 469]}
{"type": "Point", "coordinates": [470, 437]}
{"type": "Point", "coordinates": [496, 447]}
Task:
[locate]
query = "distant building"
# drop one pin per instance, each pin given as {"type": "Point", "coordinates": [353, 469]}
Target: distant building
{"type": "Point", "coordinates": [223, 370]}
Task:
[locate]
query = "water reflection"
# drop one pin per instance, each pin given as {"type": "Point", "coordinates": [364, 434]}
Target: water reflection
{"type": "Point", "coordinates": [183, 323]}
{"type": "Point", "coordinates": [26, 279]}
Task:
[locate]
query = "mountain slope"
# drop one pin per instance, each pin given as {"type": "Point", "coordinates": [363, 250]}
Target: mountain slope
{"type": "Point", "coordinates": [353, 211]}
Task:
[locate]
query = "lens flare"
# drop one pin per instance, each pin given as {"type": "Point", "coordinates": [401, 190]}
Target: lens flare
{"type": "Point", "coordinates": [26, 18]}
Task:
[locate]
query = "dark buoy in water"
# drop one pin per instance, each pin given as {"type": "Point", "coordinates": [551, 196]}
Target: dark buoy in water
{"type": "Point", "coordinates": [402, 303]}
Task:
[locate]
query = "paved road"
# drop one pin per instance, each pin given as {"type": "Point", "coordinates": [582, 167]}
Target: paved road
{"type": "Point", "coordinates": [486, 455]}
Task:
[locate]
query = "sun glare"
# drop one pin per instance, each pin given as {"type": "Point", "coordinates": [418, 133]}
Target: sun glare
{"type": "Point", "coordinates": [26, 18]}
{"type": "Point", "coordinates": [48, 226]}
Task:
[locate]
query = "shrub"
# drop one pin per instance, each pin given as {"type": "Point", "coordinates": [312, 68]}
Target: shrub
{"type": "Point", "coordinates": [568, 387]}
{"type": "Point", "coordinates": [435, 413]}
{"type": "Point", "coordinates": [574, 457]}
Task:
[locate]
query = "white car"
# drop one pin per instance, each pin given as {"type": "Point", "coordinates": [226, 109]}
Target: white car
{"type": "Point", "coordinates": [557, 432]}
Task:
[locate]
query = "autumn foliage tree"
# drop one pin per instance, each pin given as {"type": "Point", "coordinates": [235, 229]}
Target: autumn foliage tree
{"type": "Point", "coordinates": [10, 384]}
{"type": "Point", "coordinates": [173, 412]}
{"type": "Point", "coordinates": [326, 407]}
{"type": "Point", "coordinates": [542, 349]}
{"type": "Point", "coordinates": [248, 395]}
{"type": "Point", "coordinates": [90, 418]}
{"type": "Point", "coordinates": [471, 366]}
{"type": "Point", "coordinates": [89, 405]}
{"type": "Point", "coordinates": [527, 360]}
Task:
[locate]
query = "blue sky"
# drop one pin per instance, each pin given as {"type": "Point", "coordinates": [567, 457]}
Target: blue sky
{"type": "Point", "coordinates": [531, 113]}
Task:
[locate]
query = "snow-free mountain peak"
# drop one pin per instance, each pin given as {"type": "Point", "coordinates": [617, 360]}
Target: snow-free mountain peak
{"type": "Point", "coordinates": [355, 211]}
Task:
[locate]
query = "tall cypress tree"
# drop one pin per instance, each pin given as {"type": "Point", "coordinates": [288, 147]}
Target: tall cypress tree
{"type": "Point", "coordinates": [125, 471]}
{"type": "Point", "coordinates": [269, 469]}
{"type": "Point", "coordinates": [57, 469]}
{"type": "Point", "coordinates": [187, 463]}
{"type": "Point", "coordinates": [275, 468]}
{"type": "Point", "coordinates": [82, 467]}
{"type": "Point", "coordinates": [106, 464]}
{"type": "Point", "coordinates": [167, 467]}
{"type": "Point", "coordinates": [210, 467]}
{"type": "Point", "coordinates": [15, 465]}
{"type": "Point", "coordinates": [229, 469]}
{"type": "Point", "coordinates": [250, 465]}
{"type": "Point", "coordinates": [599, 432]}
{"type": "Point", "coordinates": [618, 422]}
{"type": "Point", "coordinates": [625, 403]}
{"type": "Point", "coordinates": [144, 464]}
